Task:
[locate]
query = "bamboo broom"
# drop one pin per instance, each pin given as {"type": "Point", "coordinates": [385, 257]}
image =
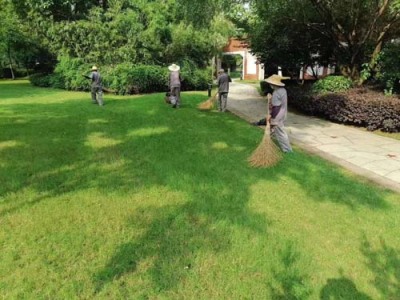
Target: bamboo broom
{"type": "Point", "coordinates": [267, 154]}
{"type": "Point", "coordinates": [208, 104]}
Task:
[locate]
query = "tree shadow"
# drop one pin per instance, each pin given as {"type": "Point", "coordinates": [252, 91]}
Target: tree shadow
{"type": "Point", "coordinates": [290, 280]}
{"type": "Point", "coordinates": [384, 262]}
{"type": "Point", "coordinates": [340, 289]}
{"type": "Point", "coordinates": [170, 241]}
{"type": "Point", "coordinates": [324, 182]}
{"type": "Point", "coordinates": [60, 149]}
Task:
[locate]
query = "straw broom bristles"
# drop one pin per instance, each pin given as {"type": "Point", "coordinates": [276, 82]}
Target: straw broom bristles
{"type": "Point", "coordinates": [267, 153]}
{"type": "Point", "coordinates": [208, 104]}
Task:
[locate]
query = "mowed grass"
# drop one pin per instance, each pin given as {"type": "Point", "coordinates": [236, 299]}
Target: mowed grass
{"type": "Point", "coordinates": [136, 200]}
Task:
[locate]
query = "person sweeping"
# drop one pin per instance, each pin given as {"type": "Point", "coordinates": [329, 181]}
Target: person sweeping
{"type": "Point", "coordinates": [267, 153]}
{"type": "Point", "coordinates": [96, 86]}
{"type": "Point", "coordinates": [278, 112]}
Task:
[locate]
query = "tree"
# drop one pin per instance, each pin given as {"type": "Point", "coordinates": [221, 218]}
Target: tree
{"type": "Point", "coordinates": [112, 32]}
{"type": "Point", "coordinates": [17, 46]}
{"type": "Point", "coordinates": [349, 32]}
{"type": "Point", "coordinates": [282, 36]}
{"type": "Point", "coordinates": [355, 25]}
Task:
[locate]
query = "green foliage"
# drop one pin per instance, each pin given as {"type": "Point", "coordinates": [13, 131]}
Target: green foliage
{"type": "Point", "coordinates": [332, 84]}
{"type": "Point", "coordinates": [118, 78]}
{"type": "Point", "coordinates": [124, 78]}
{"type": "Point", "coordinates": [41, 79]}
{"type": "Point", "coordinates": [389, 70]}
{"type": "Point", "coordinates": [282, 36]}
{"type": "Point", "coordinates": [18, 46]}
{"type": "Point", "coordinates": [346, 32]}
{"type": "Point", "coordinates": [141, 32]}
{"type": "Point", "coordinates": [196, 80]}
{"type": "Point", "coordinates": [71, 70]}
{"type": "Point", "coordinates": [133, 79]}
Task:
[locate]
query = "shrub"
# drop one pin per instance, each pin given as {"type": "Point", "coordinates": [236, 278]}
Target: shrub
{"type": "Point", "coordinates": [197, 79]}
{"type": "Point", "coordinates": [116, 78]}
{"type": "Point", "coordinates": [360, 107]}
{"type": "Point", "coordinates": [332, 84]}
{"type": "Point", "coordinates": [148, 79]}
{"type": "Point", "coordinates": [41, 79]}
{"type": "Point", "coordinates": [125, 78]}
{"type": "Point", "coordinates": [57, 81]}
{"type": "Point", "coordinates": [69, 74]}
{"type": "Point", "coordinates": [193, 77]}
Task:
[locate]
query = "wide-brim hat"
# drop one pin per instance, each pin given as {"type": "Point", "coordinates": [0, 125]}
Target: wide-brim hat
{"type": "Point", "coordinates": [174, 67]}
{"type": "Point", "coordinates": [276, 80]}
{"type": "Point", "coordinates": [94, 68]}
{"type": "Point", "coordinates": [221, 71]}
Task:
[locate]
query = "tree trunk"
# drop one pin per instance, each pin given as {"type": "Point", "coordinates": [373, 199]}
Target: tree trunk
{"type": "Point", "coordinates": [12, 72]}
{"type": "Point", "coordinates": [373, 63]}
{"type": "Point", "coordinates": [10, 60]}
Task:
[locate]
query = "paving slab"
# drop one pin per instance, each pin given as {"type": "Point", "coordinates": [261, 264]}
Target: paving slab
{"type": "Point", "coordinates": [374, 157]}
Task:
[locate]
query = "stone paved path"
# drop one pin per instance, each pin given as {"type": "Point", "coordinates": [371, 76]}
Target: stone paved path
{"type": "Point", "coordinates": [365, 153]}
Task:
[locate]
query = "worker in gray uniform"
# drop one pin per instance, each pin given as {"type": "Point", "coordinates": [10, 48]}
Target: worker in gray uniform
{"type": "Point", "coordinates": [175, 85]}
{"type": "Point", "coordinates": [278, 111]}
{"type": "Point", "coordinates": [223, 89]}
{"type": "Point", "coordinates": [96, 86]}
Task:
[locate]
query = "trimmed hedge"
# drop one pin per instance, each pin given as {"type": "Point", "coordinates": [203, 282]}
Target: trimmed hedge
{"type": "Point", "coordinates": [41, 79]}
{"type": "Point", "coordinates": [125, 78]}
{"type": "Point", "coordinates": [359, 106]}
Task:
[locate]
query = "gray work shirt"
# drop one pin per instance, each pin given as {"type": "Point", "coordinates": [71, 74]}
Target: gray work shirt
{"type": "Point", "coordinates": [96, 79]}
{"type": "Point", "coordinates": [174, 79]}
{"type": "Point", "coordinates": [279, 106]}
{"type": "Point", "coordinates": [223, 83]}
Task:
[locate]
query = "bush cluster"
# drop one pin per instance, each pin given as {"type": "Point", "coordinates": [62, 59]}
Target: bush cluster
{"type": "Point", "coordinates": [125, 78]}
{"type": "Point", "coordinates": [128, 79]}
{"type": "Point", "coordinates": [359, 106]}
{"type": "Point", "coordinates": [332, 84]}
{"type": "Point", "coordinates": [41, 79]}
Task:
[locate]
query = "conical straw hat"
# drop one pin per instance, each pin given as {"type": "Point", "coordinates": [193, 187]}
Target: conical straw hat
{"type": "Point", "coordinates": [276, 80]}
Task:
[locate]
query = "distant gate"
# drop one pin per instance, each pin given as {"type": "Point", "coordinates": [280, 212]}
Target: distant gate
{"type": "Point", "coordinates": [252, 69]}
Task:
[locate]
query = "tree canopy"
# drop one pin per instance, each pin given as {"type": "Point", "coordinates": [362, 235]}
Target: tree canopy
{"type": "Point", "coordinates": [347, 32]}
{"type": "Point", "coordinates": [116, 31]}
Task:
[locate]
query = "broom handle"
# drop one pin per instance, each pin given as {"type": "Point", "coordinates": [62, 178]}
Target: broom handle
{"type": "Point", "coordinates": [267, 125]}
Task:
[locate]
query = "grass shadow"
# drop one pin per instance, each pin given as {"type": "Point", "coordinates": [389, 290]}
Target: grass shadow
{"type": "Point", "coordinates": [341, 288]}
{"type": "Point", "coordinates": [384, 262]}
{"type": "Point", "coordinates": [132, 145]}
{"type": "Point", "coordinates": [324, 182]}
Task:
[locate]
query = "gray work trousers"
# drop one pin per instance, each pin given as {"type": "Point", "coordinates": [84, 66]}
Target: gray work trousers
{"type": "Point", "coordinates": [222, 101]}
{"type": "Point", "coordinates": [97, 95]}
{"type": "Point", "coordinates": [176, 92]}
{"type": "Point", "coordinates": [279, 134]}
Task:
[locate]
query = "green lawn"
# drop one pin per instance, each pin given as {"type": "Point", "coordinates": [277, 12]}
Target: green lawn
{"type": "Point", "coordinates": [136, 200]}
